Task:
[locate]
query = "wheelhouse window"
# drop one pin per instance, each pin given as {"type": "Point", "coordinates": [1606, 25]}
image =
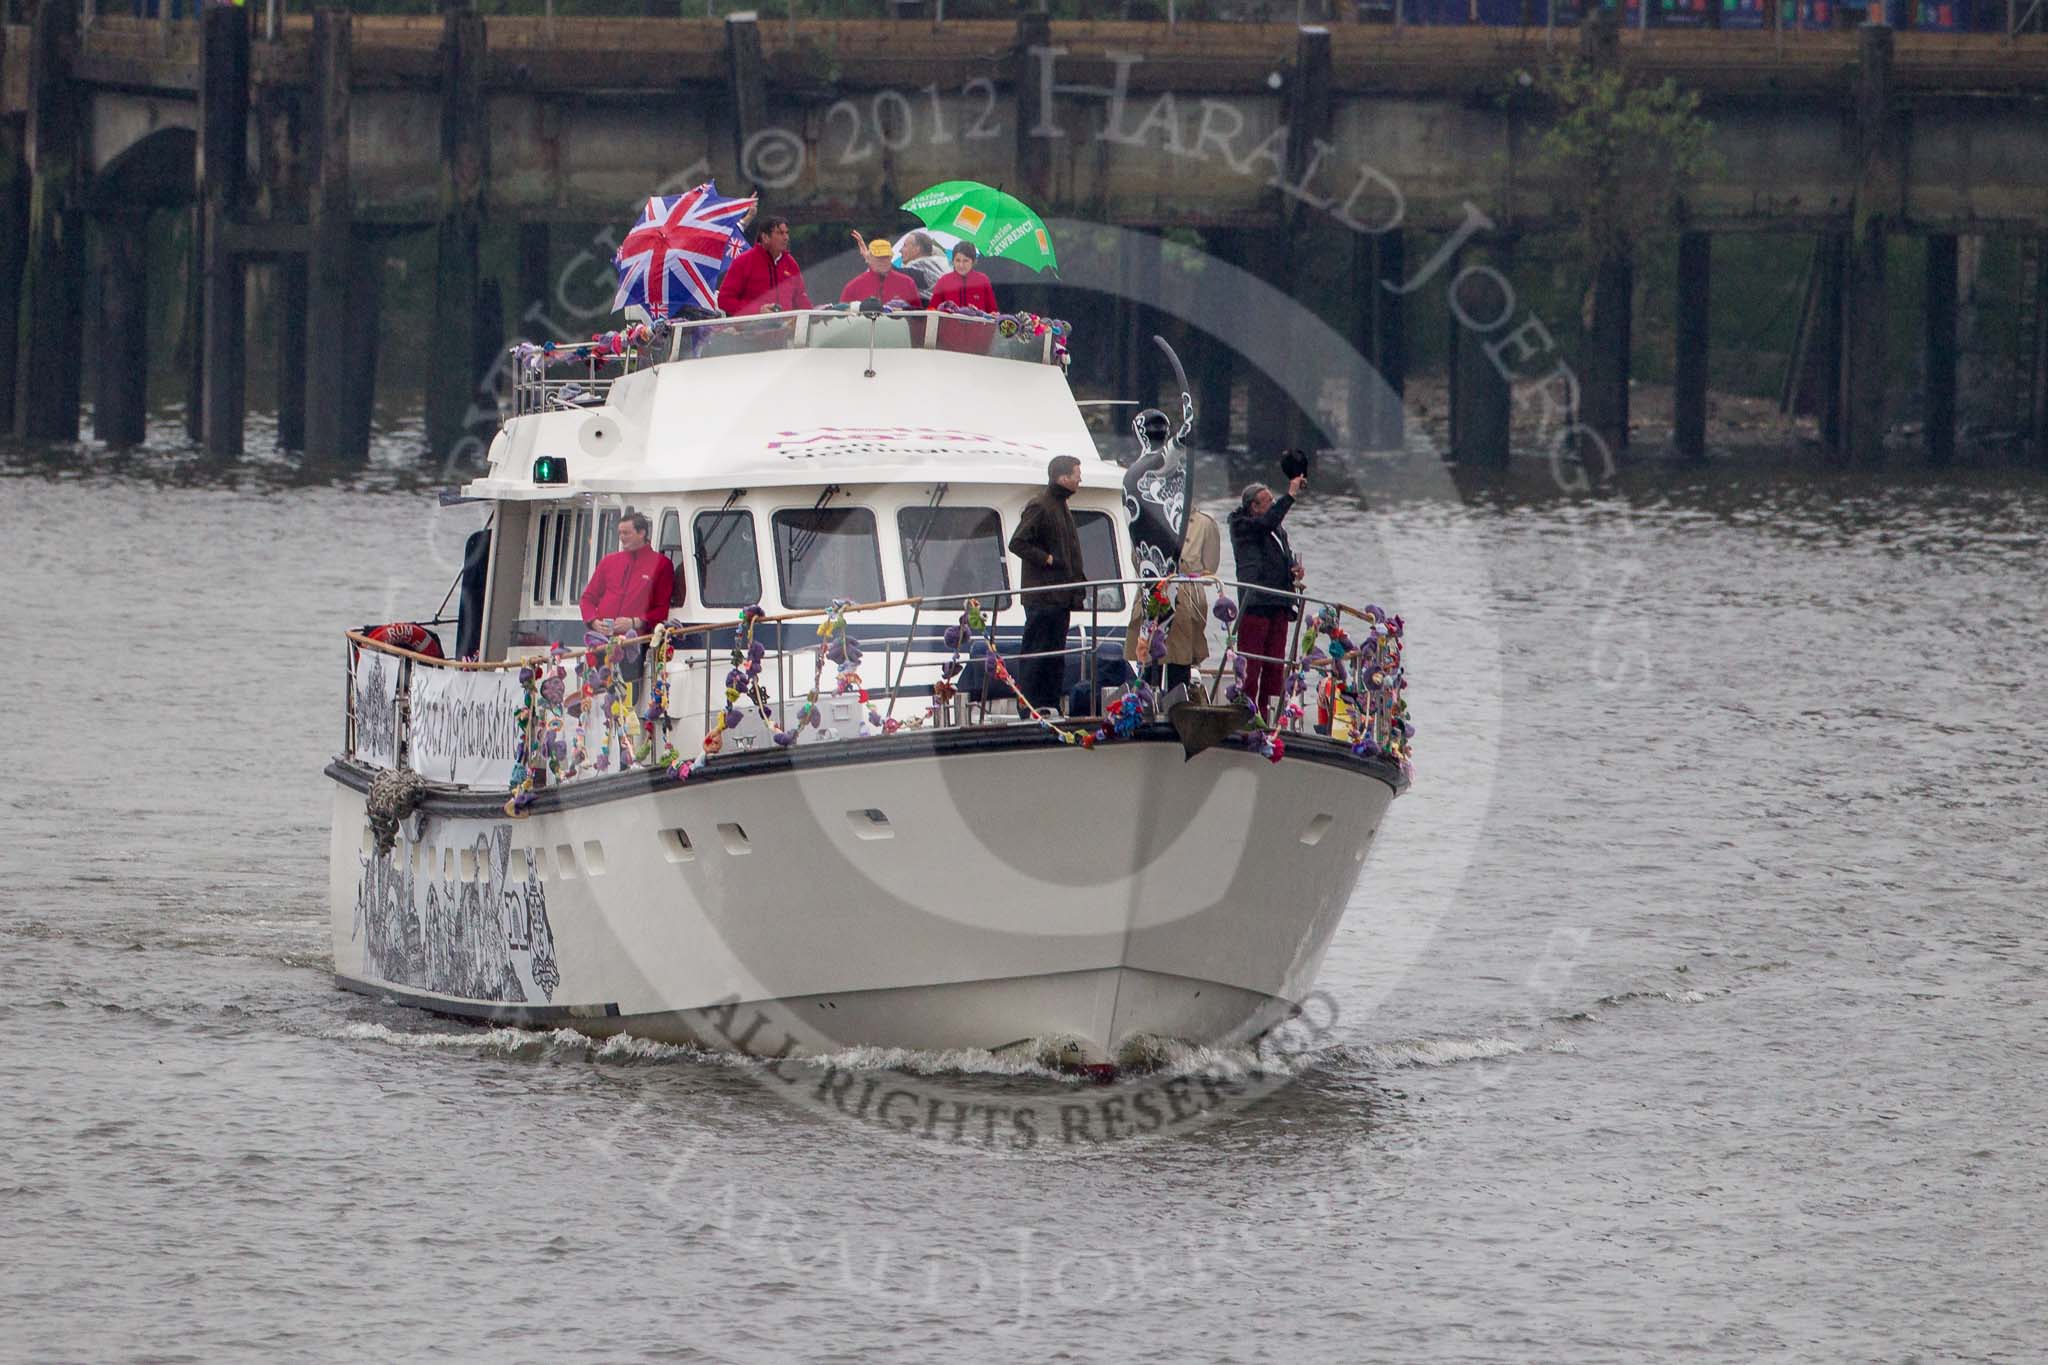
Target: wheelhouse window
{"type": "Point", "coordinates": [823, 553]}
{"type": "Point", "coordinates": [558, 571]}
{"type": "Point", "coordinates": [544, 525]}
{"type": "Point", "coordinates": [669, 538]}
{"type": "Point", "coordinates": [954, 551]}
{"type": "Point", "coordinates": [1099, 558]}
{"type": "Point", "coordinates": [728, 561]}
{"type": "Point", "coordinates": [581, 577]}
{"type": "Point", "coordinates": [608, 531]}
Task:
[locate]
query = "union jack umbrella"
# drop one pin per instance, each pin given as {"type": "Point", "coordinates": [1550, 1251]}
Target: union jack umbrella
{"type": "Point", "coordinates": [678, 251]}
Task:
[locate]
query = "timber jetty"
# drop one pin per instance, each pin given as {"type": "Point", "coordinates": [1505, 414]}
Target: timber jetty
{"type": "Point", "coordinates": [296, 143]}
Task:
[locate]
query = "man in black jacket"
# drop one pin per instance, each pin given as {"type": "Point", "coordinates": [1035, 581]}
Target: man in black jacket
{"type": "Point", "coordinates": [1049, 544]}
{"type": "Point", "coordinates": [1265, 560]}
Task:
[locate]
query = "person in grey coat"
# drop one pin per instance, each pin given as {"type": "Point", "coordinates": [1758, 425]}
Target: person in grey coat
{"type": "Point", "coordinates": [1048, 544]}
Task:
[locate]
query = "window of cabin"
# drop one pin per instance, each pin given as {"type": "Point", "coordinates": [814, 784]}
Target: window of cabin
{"type": "Point", "coordinates": [954, 552]}
{"type": "Point", "coordinates": [1099, 559]}
{"type": "Point", "coordinates": [582, 541]}
{"type": "Point", "coordinates": [824, 553]}
{"type": "Point", "coordinates": [728, 560]}
{"type": "Point", "coordinates": [558, 569]}
{"type": "Point", "coordinates": [542, 525]}
{"type": "Point", "coordinates": [669, 540]}
{"type": "Point", "coordinates": [608, 530]}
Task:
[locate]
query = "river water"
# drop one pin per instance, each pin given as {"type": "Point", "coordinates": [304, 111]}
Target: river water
{"type": "Point", "coordinates": [1691, 1005]}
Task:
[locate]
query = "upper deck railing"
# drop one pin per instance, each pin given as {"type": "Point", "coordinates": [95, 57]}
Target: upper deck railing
{"type": "Point", "coordinates": [552, 376]}
{"type": "Point", "coordinates": [715, 689]}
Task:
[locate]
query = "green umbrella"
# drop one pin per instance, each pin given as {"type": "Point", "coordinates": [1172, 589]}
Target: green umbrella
{"type": "Point", "coordinates": [998, 224]}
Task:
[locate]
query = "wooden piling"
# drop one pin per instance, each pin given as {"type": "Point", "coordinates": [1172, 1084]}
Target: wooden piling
{"type": "Point", "coordinates": [1695, 292]}
{"type": "Point", "coordinates": [361, 335]}
{"type": "Point", "coordinates": [223, 158]}
{"type": "Point", "coordinates": [331, 364]}
{"type": "Point", "coordinates": [1939, 352]}
{"type": "Point", "coordinates": [1380, 421]}
{"type": "Point", "coordinates": [1317, 247]}
{"type": "Point", "coordinates": [465, 170]}
{"type": "Point", "coordinates": [120, 407]}
{"type": "Point", "coordinates": [535, 283]}
{"type": "Point", "coordinates": [291, 352]}
{"type": "Point", "coordinates": [1830, 264]}
{"type": "Point", "coordinates": [14, 218]}
{"type": "Point", "coordinates": [1034, 153]}
{"type": "Point", "coordinates": [1866, 319]}
{"type": "Point", "coordinates": [1390, 340]}
{"type": "Point", "coordinates": [746, 77]}
{"type": "Point", "coordinates": [49, 338]}
{"type": "Point", "coordinates": [1603, 392]}
{"type": "Point", "coordinates": [2040, 357]}
{"type": "Point", "coordinates": [1142, 287]}
{"type": "Point", "coordinates": [1268, 412]}
{"type": "Point", "coordinates": [490, 339]}
{"type": "Point", "coordinates": [1482, 407]}
{"type": "Point", "coordinates": [1213, 368]}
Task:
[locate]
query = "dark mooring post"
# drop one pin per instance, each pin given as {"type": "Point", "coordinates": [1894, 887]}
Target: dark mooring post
{"type": "Point", "coordinates": [465, 167]}
{"type": "Point", "coordinates": [1214, 366]}
{"type": "Point", "coordinates": [1268, 411]}
{"type": "Point", "coordinates": [14, 205]}
{"type": "Point", "coordinates": [2040, 365]}
{"type": "Point", "coordinates": [363, 335]}
{"type": "Point", "coordinates": [746, 77]}
{"type": "Point", "coordinates": [1866, 319]}
{"type": "Point", "coordinates": [1603, 391]}
{"type": "Point", "coordinates": [1388, 311]}
{"type": "Point", "coordinates": [535, 284]}
{"type": "Point", "coordinates": [1940, 348]}
{"type": "Point", "coordinates": [1143, 269]}
{"type": "Point", "coordinates": [223, 159]}
{"type": "Point", "coordinates": [1830, 265]}
{"type": "Point", "coordinates": [49, 339]}
{"type": "Point", "coordinates": [1317, 253]}
{"type": "Point", "coordinates": [1482, 409]}
{"type": "Point", "coordinates": [120, 405]}
{"type": "Point", "coordinates": [1034, 147]}
{"type": "Point", "coordinates": [1695, 293]}
{"type": "Point", "coordinates": [1603, 397]}
{"type": "Point", "coordinates": [291, 351]}
{"type": "Point", "coordinates": [330, 275]}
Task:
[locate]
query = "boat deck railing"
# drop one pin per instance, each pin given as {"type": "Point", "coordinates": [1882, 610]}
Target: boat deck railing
{"type": "Point", "coordinates": [694, 693]}
{"type": "Point", "coordinates": [560, 375]}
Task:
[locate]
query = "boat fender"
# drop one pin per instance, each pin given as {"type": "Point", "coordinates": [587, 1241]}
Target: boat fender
{"type": "Point", "coordinates": [393, 794]}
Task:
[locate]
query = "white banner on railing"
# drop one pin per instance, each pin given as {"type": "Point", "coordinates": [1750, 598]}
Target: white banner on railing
{"type": "Point", "coordinates": [376, 704]}
{"type": "Point", "coordinates": [464, 725]}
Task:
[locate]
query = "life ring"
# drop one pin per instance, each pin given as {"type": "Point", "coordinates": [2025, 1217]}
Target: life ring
{"type": "Point", "coordinates": [408, 635]}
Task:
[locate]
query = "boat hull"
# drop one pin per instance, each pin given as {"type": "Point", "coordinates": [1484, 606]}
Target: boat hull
{"type": "Point", "coordinates": [929, 891]}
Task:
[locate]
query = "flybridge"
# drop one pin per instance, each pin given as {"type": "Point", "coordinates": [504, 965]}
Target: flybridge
{"type": "Point", "coordinates": [551, 377]}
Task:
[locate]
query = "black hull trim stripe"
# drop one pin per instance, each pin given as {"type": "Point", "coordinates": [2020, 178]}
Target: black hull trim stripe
{"type": "Point", "coordinates": [871, 749]}
{"type": "Point", "coordinates": [482, 1011]}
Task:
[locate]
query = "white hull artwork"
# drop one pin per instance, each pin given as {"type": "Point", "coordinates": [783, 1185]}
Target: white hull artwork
{"type": "Point", "coordinates": [917, 860]}
{"type": "Point", "coordinates": [988, 897]}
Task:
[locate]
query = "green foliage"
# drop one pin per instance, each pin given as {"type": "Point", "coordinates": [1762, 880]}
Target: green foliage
{"type": "Point", "coordinates": [1622, 154]}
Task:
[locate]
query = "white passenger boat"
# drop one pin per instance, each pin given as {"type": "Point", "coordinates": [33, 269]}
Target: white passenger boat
{"type": "Point", "coordinates": [878, 848]}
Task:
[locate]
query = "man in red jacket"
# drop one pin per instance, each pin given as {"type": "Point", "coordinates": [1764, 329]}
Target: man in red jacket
{"type": "Point", "coordinates": [893, 286]}
{"type": "Point", "coordinates": [630, 593]}
{"type": "Point", "coordinates": [765, 278]}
